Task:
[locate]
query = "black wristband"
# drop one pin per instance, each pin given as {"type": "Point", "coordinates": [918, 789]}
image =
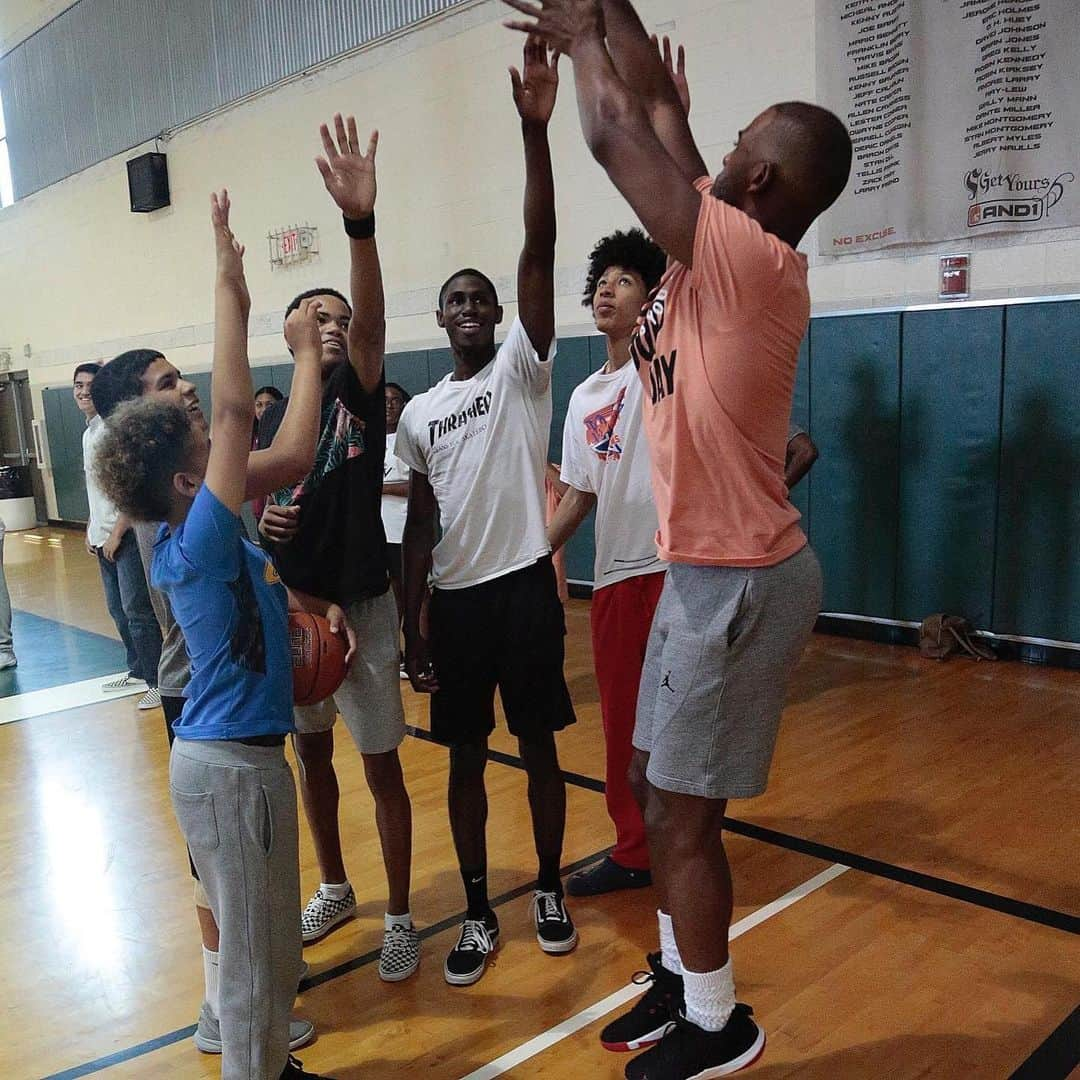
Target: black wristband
{"type": "Point", "coordinates": [360, 228]}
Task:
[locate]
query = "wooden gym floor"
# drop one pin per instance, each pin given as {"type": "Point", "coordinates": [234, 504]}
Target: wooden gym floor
{"type": "Point", "coordinates": [906, 891]}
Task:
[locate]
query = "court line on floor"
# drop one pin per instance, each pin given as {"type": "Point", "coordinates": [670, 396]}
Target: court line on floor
{"type": "Point", "coordinates": [312, 981]}
{"type": "Point", "coordinates": [1057, 1056]}
{"type": "Point", "coordinates": [1005, 905]}
{"type": "Point", "coordinates": [594, 1012]}
{"type": "Point", "coordinates": [54, 699]}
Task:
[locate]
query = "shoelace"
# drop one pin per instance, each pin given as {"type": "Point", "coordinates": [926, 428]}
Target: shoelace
{"type": "Point", "coordinates": [547, 906]}
{"type": "Point", "coordinates": [475, 935]}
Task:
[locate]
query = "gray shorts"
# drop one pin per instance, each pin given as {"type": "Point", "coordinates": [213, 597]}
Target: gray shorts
{"type": "Point", "coordinates": [723, 644]}
{"type": "Point", "coordinates": [369, 699]}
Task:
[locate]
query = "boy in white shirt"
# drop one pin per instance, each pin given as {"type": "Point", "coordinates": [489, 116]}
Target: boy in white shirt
{"type": "Point", "coordinates": [605, 462]}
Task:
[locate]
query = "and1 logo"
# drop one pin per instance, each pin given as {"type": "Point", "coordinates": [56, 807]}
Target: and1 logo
{"type": "Point", "coordinates": [1018, 199]}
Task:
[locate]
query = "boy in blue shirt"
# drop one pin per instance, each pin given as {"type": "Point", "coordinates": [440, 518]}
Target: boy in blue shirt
{"type": "Point", "coordinates": [232, 790]}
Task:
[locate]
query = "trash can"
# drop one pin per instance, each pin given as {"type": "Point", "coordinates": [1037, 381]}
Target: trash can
{"type": "Point", "coordinates": [17, 506]}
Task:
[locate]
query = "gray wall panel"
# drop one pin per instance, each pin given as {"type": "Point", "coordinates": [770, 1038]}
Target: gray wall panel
{"type": "Point", "coordinates": [107, 75]}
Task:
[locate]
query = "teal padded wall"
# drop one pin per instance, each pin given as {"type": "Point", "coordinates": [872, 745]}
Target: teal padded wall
{"type": "Point", "coordinates": [800, 415]}
{"type": "Point", "coordinates": [1037, 585]}
{"type": "Point", "coordinates": [854, 419]}
{"type": "Point", "coordinates": [64, 425]}
{"type": "Point", "coordinates": [950, 423]}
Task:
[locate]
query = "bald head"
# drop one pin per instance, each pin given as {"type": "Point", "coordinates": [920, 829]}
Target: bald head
{"type": "Point", "coordinates": [787, 167]}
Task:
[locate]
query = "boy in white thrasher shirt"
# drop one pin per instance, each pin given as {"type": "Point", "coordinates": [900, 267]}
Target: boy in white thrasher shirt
{"type": "Point", "coordinates": [476, 444]}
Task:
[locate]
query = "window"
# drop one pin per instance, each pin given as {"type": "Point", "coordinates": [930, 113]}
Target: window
{"type": "Point", "coordinates": [7, 193]}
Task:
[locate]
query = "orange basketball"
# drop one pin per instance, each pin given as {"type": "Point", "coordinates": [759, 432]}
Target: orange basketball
{"type": "Point", "coordinates": [318, 658]}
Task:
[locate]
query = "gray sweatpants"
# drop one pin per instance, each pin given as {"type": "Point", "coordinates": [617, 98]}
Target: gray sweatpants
{"type": "Point", "coordinates": [236, 806]}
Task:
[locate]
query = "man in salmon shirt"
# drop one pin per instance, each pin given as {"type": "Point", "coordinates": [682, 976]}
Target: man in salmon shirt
{"type": "Point", "coordinates": [717, 351]}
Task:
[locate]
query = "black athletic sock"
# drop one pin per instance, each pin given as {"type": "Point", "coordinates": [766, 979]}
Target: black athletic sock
{"type": "Point", "coordinates": [476, 894]}
{"type": "Point", "coordinates": [548, 880]}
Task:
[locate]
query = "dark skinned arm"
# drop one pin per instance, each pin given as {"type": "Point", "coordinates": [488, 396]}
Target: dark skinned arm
{"type": "Point", "coordinates": [573, 510]}
{"type": "Point", "coordinates": [801, 454]}
{"type": "Point", "coordinates": [641, 68]}
{"type": "Point", "coordinates": [417, 543]}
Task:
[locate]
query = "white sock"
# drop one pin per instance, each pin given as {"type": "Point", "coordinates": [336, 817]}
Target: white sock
{"type": "Point", "coordinates": [211, 973]}
{"type": "Point", "coordinates": [710, 997]}
{"type": "Point", "coordinates": [335, 892]}
{"type": "Point", "coordinates": [669, 951]}
{"type": "Point", "coordinates": [404, 921]}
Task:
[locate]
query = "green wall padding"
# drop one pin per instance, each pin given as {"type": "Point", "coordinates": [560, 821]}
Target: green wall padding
{"type": "Point", "coordinates": [950, 405]}
{"type": "Point", "coordinates": [854, 419]}
{"type": "Point", "coordinates": [1037, 583]}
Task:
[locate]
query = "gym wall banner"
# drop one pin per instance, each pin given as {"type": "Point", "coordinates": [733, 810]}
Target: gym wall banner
{"type": "Point", "coordinates": [963, 115]}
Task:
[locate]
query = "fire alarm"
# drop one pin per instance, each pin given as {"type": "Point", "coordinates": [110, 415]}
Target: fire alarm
{"type": "Point", "coordinates": [955, 277]}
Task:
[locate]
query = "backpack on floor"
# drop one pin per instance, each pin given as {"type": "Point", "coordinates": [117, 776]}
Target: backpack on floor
{"type": "Point", "coordinates": [942, 636]}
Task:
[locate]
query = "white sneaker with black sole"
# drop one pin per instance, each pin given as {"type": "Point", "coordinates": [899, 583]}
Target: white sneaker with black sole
{"type": "Point", "coordinates": [322, 914]}
{"type": "Point", "coordinates": [555, 930]}
{"type": "Point", "coordinates": [207, 1035]}
{"type": "Point", "coordinates": [467, 960]}
{"type": "Point", "coordinates": [150, 700]}
{"type": "Point", "coordinates": [400, 955]}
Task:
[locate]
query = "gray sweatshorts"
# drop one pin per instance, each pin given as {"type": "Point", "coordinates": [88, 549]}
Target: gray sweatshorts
{"type": "Point", "coordinates": [723, 644]}
{"type": "Point", "coordinates": [369, 699]}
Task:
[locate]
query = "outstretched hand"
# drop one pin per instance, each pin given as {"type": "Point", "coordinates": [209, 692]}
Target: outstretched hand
{"type": "Point", "coordinates": [563, 24]}
{"type": "Point", "coordinates": [676, 71]}
{"type": "Point", "coordinates": [349, 174]}
{"type": "Point", "coordinates": [230, 252]}
{"type": "Point", "coordinates": [536, 86]}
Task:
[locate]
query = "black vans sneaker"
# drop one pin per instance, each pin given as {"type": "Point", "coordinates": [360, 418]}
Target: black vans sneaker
{"type": "Point", "coordinates": [555, 929]}
{"type": "Point", "coordinates": [652, 1013]}
{"type": "Point", "coordinates": [294, 1070]}
{"type": "Point", "coordinates": [466, 961]}
{"type": "Point", "coordinates": [688, 1052]}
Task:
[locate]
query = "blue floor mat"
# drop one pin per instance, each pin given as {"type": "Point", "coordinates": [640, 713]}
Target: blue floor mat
{"type": "Point", "coordinates": [52, 654]}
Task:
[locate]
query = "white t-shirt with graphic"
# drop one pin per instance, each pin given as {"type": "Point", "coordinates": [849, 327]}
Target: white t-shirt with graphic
{"type": "Point", "coordinates": [394, 507]}
{"type": "Point", "coordinates": [482, 442]}
{"type": "Point", "coordinates": [605, 452]}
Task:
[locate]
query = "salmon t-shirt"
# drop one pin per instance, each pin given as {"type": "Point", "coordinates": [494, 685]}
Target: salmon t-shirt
{"type": "Point", "coordinates": [716, 348]}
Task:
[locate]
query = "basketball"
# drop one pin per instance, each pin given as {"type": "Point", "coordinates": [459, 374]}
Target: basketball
{"type": "Point", "coordinates": [318, 657]}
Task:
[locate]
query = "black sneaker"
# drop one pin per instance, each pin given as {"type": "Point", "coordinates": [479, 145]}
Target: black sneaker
{"type": "Point", "coordinates": [653, 1012]}
{"type": "Point", "coordinates": [687, 1052]}
{"type": "Point", "coordinates": [466, 961]}
{"type": "Point", "coordinates": [555, 929]}
{"type": "Point", "coordinates": [294, 1070]}
{"type": "Point", "coordinates": [606, 876]}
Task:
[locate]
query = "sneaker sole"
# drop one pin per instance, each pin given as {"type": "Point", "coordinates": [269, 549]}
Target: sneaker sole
{"type": "Point", "coordinates": [743, 1061]}
{"type": "Point", "coordinates": [399, 976]}
{"type": "Point", "coordinates": [149, 708]}
{"type": "Point", "coordinates": [558, 948]}
{"type": "Point", "coordinates": [472, 978]}
{"type": "Point", "coordinates": [307, 937]}
{"type": "Point", "coordinates": [650, 1039]}
{"type": "Point", "coordinates": [580, 891]}
{"type": "Point", "coordinates": [211, 1046]}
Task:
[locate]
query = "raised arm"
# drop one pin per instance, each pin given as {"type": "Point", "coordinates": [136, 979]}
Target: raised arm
{"type": "Point", "coordinates": [616, 126]}
{"type": "Point", "coordinates": [641, 67]}
{"type": "Point", "coordinates": [290, 457]}
{"type": "Point", "coordinates": [349, 176]}
{"type": "Point", "coordinates": [230, 381]}
{"type": "Point", "coordinates": [535, 89]}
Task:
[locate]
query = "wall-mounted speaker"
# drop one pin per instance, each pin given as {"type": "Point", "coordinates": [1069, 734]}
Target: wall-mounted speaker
{"type": "Point", "coordinates": [148, 183]}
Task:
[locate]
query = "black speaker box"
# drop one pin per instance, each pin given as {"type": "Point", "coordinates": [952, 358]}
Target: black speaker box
{"type": "Point", "coordinates": [148, 183]}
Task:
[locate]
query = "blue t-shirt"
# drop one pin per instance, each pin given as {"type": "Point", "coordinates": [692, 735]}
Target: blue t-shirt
{"type": "Point", "coordinates": [233, 611]}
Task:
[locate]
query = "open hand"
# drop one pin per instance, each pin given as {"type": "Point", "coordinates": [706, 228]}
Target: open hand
{"type": "Point", "coordinates": [563, 24]}
{"type": "Point", "coordinates": [676, 71]}
{"type": "Point", "coordinates": [230, 252]}
{"type": "Point", "coordinates": [537, 85]}
{"type": "Point", "coordinates": [302, 333]}
{"type": "Point", "coordinates": [348, 174]}
{"type": "Point", "coordinates": [340, 625]}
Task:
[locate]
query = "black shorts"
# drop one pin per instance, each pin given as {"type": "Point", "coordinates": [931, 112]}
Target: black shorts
{"type": "Point", "coordinates": [506, 633]}
{"type": "Point", "coordinates": [393, 561]}
{"type": "Point", "coordinates": [172, 707]}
